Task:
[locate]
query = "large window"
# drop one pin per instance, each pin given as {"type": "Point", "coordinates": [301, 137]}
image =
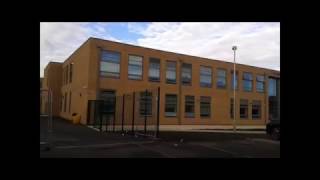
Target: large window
{"type": "Point", "coordinates": [272, 87]}
{"type": "Point", "coordinates": [234, 84]}
{"type": "Point", "coordinates": [189, 106]}
{"type": "Point", "coordinates": [171, 105]}
{"type": "Point", "coordinates": [146, 103]}
{"type": "Point", "coordinates": [171, 72]}
{"type": "Point", "coordinates": [260, 83]}
{"type": "Point", "coordinates": [205, 106]}
{"type": "Point", "coordinates": [154, 69]}
{"type": "Point", "coordinates": [256, 109]}
{"type": "Point", "coordinates": [110, 64]}
{"type": "Point", "coordinates": [244, 109]}
{"type": "Point", "coordinates": [247, 81]}
{"type": "Point", "coordinates": [222, 78]}
{"type": "Point", "coordinates": [205, 76]}
{"type": "Point", "coordinates": [135, 67]}
{"type": "Point", "coordinates": [186, 74]}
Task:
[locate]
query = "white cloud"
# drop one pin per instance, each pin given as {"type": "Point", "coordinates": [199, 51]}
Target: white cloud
{"type": "Point", "coordinates": [258, 43]}
{"type": "Point", "coordinates": [59, 40]}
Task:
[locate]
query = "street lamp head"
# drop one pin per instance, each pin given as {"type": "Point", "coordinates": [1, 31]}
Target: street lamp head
{"type": "Point", "coordinates": [234, 48]}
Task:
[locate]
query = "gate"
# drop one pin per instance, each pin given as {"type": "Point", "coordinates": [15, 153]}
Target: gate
{"type": "Point", "coordinates": [135, 113]}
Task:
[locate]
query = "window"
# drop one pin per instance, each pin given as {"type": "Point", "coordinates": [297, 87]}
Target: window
{"type": "Point", "coordinates": [244, 109]}
{"type": "Point", "coordinates": [69, 101]}
{"type": "Point", "coordinates": [205, 76]}
{"type": "Point", "coordinates": [146, 103]}
{"type": "Point", "coordinates": [232, 81]}
{"type": "Point", "coordinates": [61, 104]}
{"type": "Point", "coordinates": [171, 105]}
{"type": "Point", "coordinates": [256, 109]}
{"type": "Point", "coordinates": [71, 68]}
{"type": "Point", "coordinates": [171, 72]}
{"type": "Point", "coordinates": [231, 108]}
{"type": "Point", "coordinates": [222, 76]}
{"type": "Point", "coordinates": [67, 74]}
{"type": "Point", "coordinates": [186, 74]}
{"type": "Point", "coordinates": [272, 87]}
{"type": "Point", "coordinates": [260, 83]}
{"type": "Point", "coordinates": [154, 69]}
{"type": "Point", "coordinates": [247, 81]}
{"type": "Point", "coordinates": [110, 64]}
{"type": "Point", "coordinates": [65, 102]}
{"type": "Point", "coordinates": [135, 67]}
{"type": "Point", "coordinates": [205, 102]}
{"type": "Point", "coordinates": [189, 106]}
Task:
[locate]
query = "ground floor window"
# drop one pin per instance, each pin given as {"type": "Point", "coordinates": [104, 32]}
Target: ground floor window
{"type": "Point", "coordinates": [244, 109]}
{"type": "Point", "coordinates": [256, 109]}
{"type": "Point", "coordinates": [231, 108]}
{"type": "Point", "coordinates": [205, 106]}
{"type": "Point", "coordinates": [189, 106]}
{"type": "Point", "coordinates": [145, 103]}
{"type": "Point", "coordinates": [171, 105]}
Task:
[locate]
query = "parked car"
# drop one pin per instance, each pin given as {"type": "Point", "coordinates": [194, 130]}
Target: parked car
{"type": "Point", "coordinates": [273, 129]}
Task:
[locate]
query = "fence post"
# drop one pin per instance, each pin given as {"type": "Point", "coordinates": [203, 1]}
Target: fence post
{"type": "Point", "coordinates": [133, 112]}
{"type": "Point", "coordinates": [158, 109]}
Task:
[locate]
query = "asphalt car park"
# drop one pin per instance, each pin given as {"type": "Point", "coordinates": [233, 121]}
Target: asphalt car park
{"type": "Point", "coordinates": [79, 141]}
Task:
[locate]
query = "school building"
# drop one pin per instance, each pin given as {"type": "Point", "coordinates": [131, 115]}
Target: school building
{"type": "Point", "coordinates": [193, 90]}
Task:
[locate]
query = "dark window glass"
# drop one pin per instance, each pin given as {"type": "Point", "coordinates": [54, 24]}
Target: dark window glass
{"type": "Point", "coordinates": [186, 74]}
{"type": "Point", "coordinates": [171, 105]}
{"type": "Point", "coordinates": [244, 109]}
{"type": "Point", "coordinates": [189, 106]}
{"type": "Point", "coordinates": [146, 103]}
{"type": "Point", "coordinates": [154, 69]}
{"type": "Point", "coordinates": [256, 109]}
{"type": "Point", "coordinates": [205, 106]}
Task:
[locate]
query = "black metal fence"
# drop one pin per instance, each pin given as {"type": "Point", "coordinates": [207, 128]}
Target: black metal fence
{"type": "Point", "coordinates": [133, 113]}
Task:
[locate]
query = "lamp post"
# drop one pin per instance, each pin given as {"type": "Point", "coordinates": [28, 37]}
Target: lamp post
{"type": "Point", "coordinates": [234, 48]}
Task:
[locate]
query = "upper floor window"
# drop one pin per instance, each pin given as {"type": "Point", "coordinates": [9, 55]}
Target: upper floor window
{"type": "Point", "coordinates": [205, 76]}
{"type": "Point", "coordinates": [222, 78]}
{"type": "Point", "coordinates": [171, 72]}
{"type": "Point", "coordinates": [260, 83]}
{"type": "Point", "coordinates": [186, 74]}
{"type": "Point", "coordinates": [247, 81]}
{"type": "Point", "coordinates": [135, 67]}
{"type": "Point", "coordinates": [272, 87]}
{"type": "Point", "coordinates": [154, 69]}
{"type": "Point", "coordinates": [110, 64]}
{"type": "Point", "coordinates": [234, 84]}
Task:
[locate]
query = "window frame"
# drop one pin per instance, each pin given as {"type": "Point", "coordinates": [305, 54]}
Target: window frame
{"type": "Point", "coordinates": [263, 83]}
{"type": "Point", "coordinates": [176, 105]}
{"type": "Point", "coordinates": [201, 84]}
{"type": "Point", "coordinates": [159, 61]}
{"type": "Point", "coordinates": [181, 79]}
{"type": "Point", "coordinates": [244, 80]}
{"type": "Point", "coordinates": [225, 78]}
{"type": "Point", "coordinates": [142, 67]}
{"type": "Point", "coordinates": [188, 114]}
{"type": "Point", "coordinates": [175, 81]}
{"type": "Point", "coordinates": [201, 104]}
{"type": "Point", "coordinates": [105, 75]}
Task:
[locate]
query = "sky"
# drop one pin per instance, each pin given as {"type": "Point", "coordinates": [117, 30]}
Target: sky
{"type": "Point", "coordinates": [258, 43]}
